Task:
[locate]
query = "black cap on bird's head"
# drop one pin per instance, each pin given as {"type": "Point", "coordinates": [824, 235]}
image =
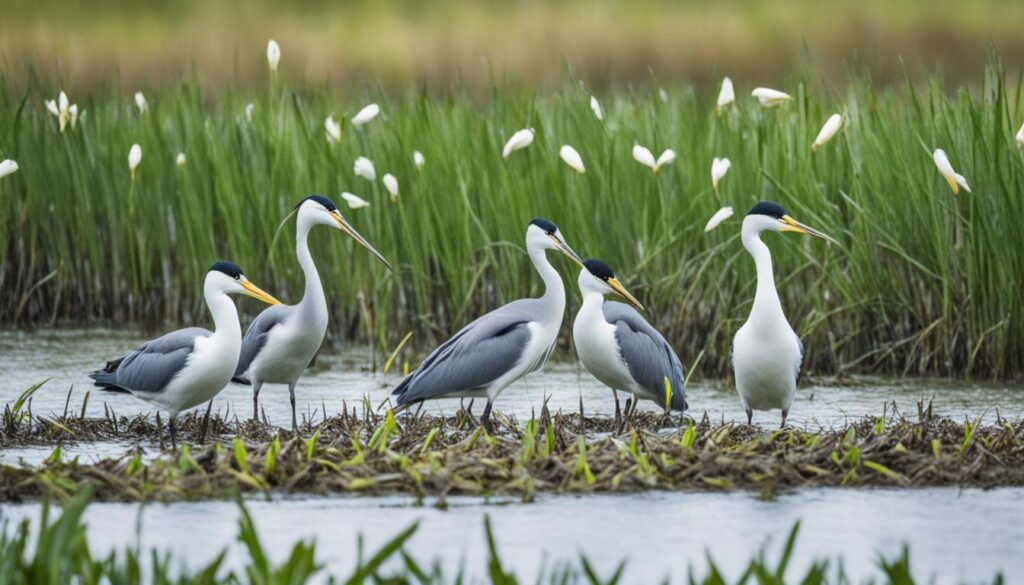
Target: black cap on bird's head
{"type": "Point", "coordinates": [327, 203]}
{"type": "Point", "coordinates": [769, 208]}
{"type": "Point", "coordinates": [231, 270]}
{"type": "Point", "coordinates": [548, 227]}
{"type": "Point", "coordinates": [783, 221]}
{"type": "Point", "coordinates": [551, 231]}
{"type": "Point", "coordinates": [603, 272]}
{"type": "Point", "coordinates": [598, 268]}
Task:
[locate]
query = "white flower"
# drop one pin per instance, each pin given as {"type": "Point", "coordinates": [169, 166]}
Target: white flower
{"type": "Point", "coordinates": [719, 216]}
{"type": "Point", "coordinates": [7, 167]}
{"type": "Point", "coordinates": [572, 158]}
{"type": "Point", "coordinates": [417, 159]}
{"type": "Point", "coordinates": [642, 155]}
{"type": "Point", "coordinates": [719, 166]}
{"type": "Point", "coordinates": [273, 54]}
{"type": "Point", "coordinates": [596, 107]}
{"type": "Point", "coordinates": [134, 158]}
{"type": "Point", "coordinates": [180, 160]}
{"type": "Point", "coordinates": [333, 130]}
{"type": "Point", "coordinates": [248, 111]}
{"type": "Point", "coordinates": [365, 115]}
{"type": "Point", "coordinates": [955, 180]}
{"type": "Point", "coordinates": [1020, 136]}
{"type": "Point", "coordinates": [519, 140]}
{"type": "Point", "coordinates": [364, 168]}
{"type": "Point", "coordinates": [770, 97]}
{"type": "Point", "coordinates": [140, 102]}
{"type": "Point", "coordinates": [354, 201]}
{"type": "Point", "coordinates": [391, 184]}
{"type": "Point", "coordinates": [663, 94]}
{"type": "Point", "coordinates": [726, 95]}
{"type": "Point", "coordinates": [64, 110]}
{"type": "Point", "coordinates": [832, 125]}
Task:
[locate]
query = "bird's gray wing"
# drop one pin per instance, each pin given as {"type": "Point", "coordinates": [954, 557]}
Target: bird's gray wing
{"type": "Point", "coordinates": [649, 357]}
{"type": "Point", "coordinates": [151, 367]}
{"type": "Point", "coordinates": [256, 337]}
{"type": "Point", "coordinates": [473, 358]}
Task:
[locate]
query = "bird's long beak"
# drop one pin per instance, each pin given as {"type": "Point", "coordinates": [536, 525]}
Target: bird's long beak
{"type": "Point", "coordinates": [348, 229]}
{"type": "Point", "coordinates": [564, 248]}
{"type": "Point", "coordinates": [617, 286]}
{"type": "Point", "coordinates": [251, 290]}
{"type": "Point", "coordinates": [792, 225]}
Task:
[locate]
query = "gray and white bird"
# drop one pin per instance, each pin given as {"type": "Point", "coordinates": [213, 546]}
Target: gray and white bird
{"type": "Point", "coordinates": [620, 348]}
{"type": "Point", "coordinates": [282, 340]}
{"type": "Point", "coordinates": [766, 352]}
{"type": "Point", "coordinates": [190, 366]}
{"type": "Point", "coordinates": [502, 346]}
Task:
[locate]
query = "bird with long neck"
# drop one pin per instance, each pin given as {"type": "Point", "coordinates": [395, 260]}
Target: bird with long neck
{"type": "Point", "coordinates": [766, 352]}
{"type": "Point", "coordinates": [190, 366]}
{"type": "Point", "coordinates": [282, 341]}
{"type": "Point", "coordinates": [497, 349]}
{"type": "Point", "coordinates": [620, 348]}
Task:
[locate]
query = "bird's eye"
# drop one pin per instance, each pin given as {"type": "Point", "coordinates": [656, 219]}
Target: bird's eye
{"type": "Point", "coordinates": [239, 277]}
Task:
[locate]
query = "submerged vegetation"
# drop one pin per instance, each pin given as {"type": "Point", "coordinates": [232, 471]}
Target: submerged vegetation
{"type": "Point", "coordinates": [59, 552]}
{"type": "Point", "coordinates": [923, 281]}
{"type": "Point", "coordinates": [429, 456]}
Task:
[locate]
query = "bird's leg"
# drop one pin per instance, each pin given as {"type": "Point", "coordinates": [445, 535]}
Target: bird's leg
{"type": "Point", "coordinates": [625, 416]}
{"type": "Point", "coordinates": [256, 401]}
{"type": "Point", "coordinates": [618, 413]}
{"type": "Point", "coordinates": [160, 430]}
{"type": "Point", "coordinates": [291, 393]}
{"type": "Point", "coordinates": [485, 418]}
{"type": "Point", "coordinates": [206, 422]}
{"type": "Point", "coordinates": [785, 413]}
{"type": "Point", "coordinates": [174, 439]}
{"type": "Point", "coordinates": [750, 415]}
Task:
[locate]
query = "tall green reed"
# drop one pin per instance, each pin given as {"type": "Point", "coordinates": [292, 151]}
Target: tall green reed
{"type": "Point", "coordinates": [923, 281]}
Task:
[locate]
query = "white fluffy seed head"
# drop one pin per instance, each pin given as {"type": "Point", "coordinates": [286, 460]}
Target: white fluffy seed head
{"type": "Point", "coordinates": [831, 127]}
{"type": "Point", "coordinates": [365, 115]}
{"type": "Point", "coordinates": [572, 158]}
{"type": "Point", "coordinates": [519, 140]}
{"type": "Point", "coordinates": [273, 54]}
{"type": "Point", "coordinates": [719, 216]}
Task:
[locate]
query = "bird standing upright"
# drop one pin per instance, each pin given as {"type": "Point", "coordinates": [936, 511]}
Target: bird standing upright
{"type": "Point", "coordinates": [766, 352]}
{"type": "Point", "coordinates": [189, 366]}
{"type": "Point", "coordinates": [620, 348]}
{"type": "Point", "coordinates": [282, 341]}
{"type": "Point", "coordinates": [502, 346]}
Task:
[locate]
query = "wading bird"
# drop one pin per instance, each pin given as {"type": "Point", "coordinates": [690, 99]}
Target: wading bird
{"type": "Point", "coordinates": [502, 346]}
{"type": "Point", "coordinates": [190, 366]}
{"type": "Point", "coordinates": [766, 352]}
{"type": "Point", "coordinates": [620, 348]}
{"type": "Point", "coordinates": [282, 340]}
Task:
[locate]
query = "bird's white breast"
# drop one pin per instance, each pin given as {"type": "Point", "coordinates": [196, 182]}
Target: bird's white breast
{"type": "Point", "coordinates": [598, 349]}
{"type": "Point", "coordinates": [765, 362]}
{"type": "Point", "coordinates": [290, 346]}
{"type": "Point", "coordinates": [207, 371]}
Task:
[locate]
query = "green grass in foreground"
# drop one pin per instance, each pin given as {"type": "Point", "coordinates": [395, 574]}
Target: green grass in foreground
{"type": "Point", "coordinates": [922, 282]}
{"type": "Point", "coordinates": [61, 555]}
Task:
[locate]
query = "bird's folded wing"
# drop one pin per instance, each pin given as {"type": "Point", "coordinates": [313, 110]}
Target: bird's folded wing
{"type": "Point", "coordinates": [649, 357]}
{"type": "Point", "coordinates": [151, 367]}
{"type": "Point", "coordinates": [257, 333]}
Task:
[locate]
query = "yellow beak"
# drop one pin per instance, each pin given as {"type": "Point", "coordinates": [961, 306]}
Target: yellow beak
{"type": "Point", "coordinates": [251, 290]}
{"type": "Point", "coordinates": [564, 248]}
{"type": "Point", "coordinates": [792, 225]}
{"type": "Point", "coordinates": [617, 286]}
{"type": "Point", "coordinates": [348, 229]}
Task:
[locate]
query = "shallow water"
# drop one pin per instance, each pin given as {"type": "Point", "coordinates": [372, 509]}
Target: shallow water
{"type": "Point", "coordinates": [955, 536]}
{"type": "Point", "coordinates": [66, 357]}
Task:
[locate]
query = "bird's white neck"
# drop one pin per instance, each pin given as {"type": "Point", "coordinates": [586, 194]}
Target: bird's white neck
{"type": "Point", "coordinates": [224, 313]}
{"type": "Point", "coordinates": [313, 298]}
{"type": "Point", "coordinates": [592, 307]}
{"type": "Point", "coordinates": [766, 300]}
{"type": "Point", "coordinates": [553, 289]}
